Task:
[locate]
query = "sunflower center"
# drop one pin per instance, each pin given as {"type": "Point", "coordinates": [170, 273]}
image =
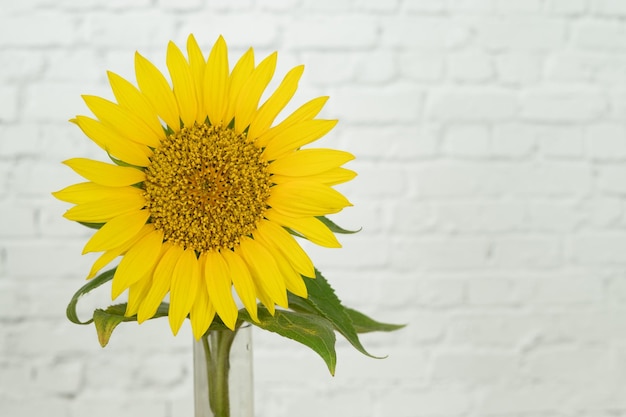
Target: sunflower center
{"type": "Point", "coordinates": [206, 187]}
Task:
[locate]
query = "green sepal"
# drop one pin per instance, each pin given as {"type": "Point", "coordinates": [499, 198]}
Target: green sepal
{"type": "Point", "coordinates": [311, 330]}
{"type": "Point", "coordinates": [365, 324]}
{"type": "Point", "coordinates": [218, 324]}
{"type": "Point", "coordinates": [92, 225]}
{"type": "Point", "coordinates": [294, 233]}
{"type": "Point", "coordinates": [323, 301]}
{"type": "Point", "coordinates": [168, 130]}
{"type": "Point", "coordinates": [92, 284]}
{"type": "Point", "coordinates": [334, 227]}
{"type": "Point", "coordinates": [121, 163]}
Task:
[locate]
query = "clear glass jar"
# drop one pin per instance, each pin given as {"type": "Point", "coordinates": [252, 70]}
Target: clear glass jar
{"type": "Point", "coordinates": [223, 379]}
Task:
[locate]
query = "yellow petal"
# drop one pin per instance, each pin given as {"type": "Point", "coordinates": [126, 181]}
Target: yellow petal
{"type": "Point", "coordinates": [122, 121]}
{"type": "Point", "coordinates": [334, 176]}
{"type": "Point", "coordinates": [309, 227]}
{"type": "Point", "coordinates": [242, 70]}
{"type": "Point", "coordinates": [309, 162]}
{"type": "Point", "coordinates": [80, 193]}
{"type": "Point", "coordinates": [102, 261]}
{"type": "Point", "coordinates": [137, 293]}
{"type": "Point", "coordinates": [264, 117]}
{"type": "Point", "coordinates": [101, 211]}
{"type": "Point", "coordinates": [117, 231]}
{"type": "Point", "coordinates": [218, 283]}
{"type": "Point", "coordinates": [242, 281]}
{"type": "Point", "coordinates": [216, 82]}
{"type": "Point", "coordinates": [197, 62]}
{"type": "Point", "coordinates": [261, 294]}
{"type": "Point", "coordinates": [105, 174]}
{"type": "Point", "coordinates": [114, 144]}
{"type": "Point", "coordinates": [293, 280]}
{"type": "Point", "coordinates": [307, 111]}
{"type": "Point", "coordinates": [331, 177]}
{"type": "Point", "coordinates": [137, 262]}
{"type": "Point", "coordinates": [89, 191]}
{"type": "Point", "coordinates": [296, 136]}
{"type": "Point", "coordinates": [250, 95]}
{"type": "Point", "coordinates": [264, 271]}
{"type": "Point", "coordinates": [157, 90]}
{"type": "Point", "coordinates": [131, 99]}
{"type": "Point", "coordinates": [202, 311]}
{"type": "Point", "coordinates": [184, 288]}
{"type": "Point", "coordinates": [287, 245]}
{"type": "Point", "coordinates": [303, 199]}
{"type": "Point", "coordinates": [161, 281]}
{"type": "Point", "coordinates": [184, 87]}
{"type": "Point", "coordinates": [111, 254]}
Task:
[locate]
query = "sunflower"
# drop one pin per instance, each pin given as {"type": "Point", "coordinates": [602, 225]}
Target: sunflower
{"type": "Point", "coordinates": [206, 191]}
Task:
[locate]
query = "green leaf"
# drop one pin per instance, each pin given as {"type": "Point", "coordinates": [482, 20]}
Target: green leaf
{"type": "Point", "coordinates": [334, 227]}
{"type": "Point", "coordinates": [326, 303]}
{"type": "Point", "coordinates": [92, 284]}
{"type": "Point", "coordinates": [300, 304]}
{"type": "Point", "coordinates": [312, 331]}
{"type": "Point", "coordinates": [365, 324]}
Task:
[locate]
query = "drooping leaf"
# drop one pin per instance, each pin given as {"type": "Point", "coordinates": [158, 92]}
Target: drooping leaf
{"type": "Point", "coordinates": [334, 227]}
{"type": "Point", "coordinates": [105, 324]}
{"type": "Point", "coordinates": [92, 284]}
{"type": "Point", "coordinates": [107, 320]}
{"type": "Point", "coordinates": [365, 324]}
{"type": "Point", "coordinates": [312, 331]}
{"type": "Point", "coordinates": [324, 300]}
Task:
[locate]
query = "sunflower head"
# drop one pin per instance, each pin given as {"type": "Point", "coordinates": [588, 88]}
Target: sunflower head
{"type": "Point", "coordinates": [206, 190]}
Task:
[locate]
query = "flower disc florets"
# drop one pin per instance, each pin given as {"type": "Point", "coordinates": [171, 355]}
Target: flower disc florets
{"type": "Point", "coordinates": [206, 187]}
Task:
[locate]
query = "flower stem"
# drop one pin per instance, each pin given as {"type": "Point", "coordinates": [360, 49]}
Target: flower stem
{"type": "Point", "coordinates": [218, 366]}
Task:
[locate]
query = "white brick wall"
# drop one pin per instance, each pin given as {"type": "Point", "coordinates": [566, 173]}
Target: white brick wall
{"type": "Point", "coordinates": [490, 138]}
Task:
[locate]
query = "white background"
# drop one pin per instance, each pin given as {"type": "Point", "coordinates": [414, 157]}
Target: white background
{"type": "Point", "coordinates": [490, 138]}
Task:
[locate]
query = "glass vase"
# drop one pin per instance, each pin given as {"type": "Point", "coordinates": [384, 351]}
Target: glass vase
{"type": "Point", "coordinates": [223, 383]}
